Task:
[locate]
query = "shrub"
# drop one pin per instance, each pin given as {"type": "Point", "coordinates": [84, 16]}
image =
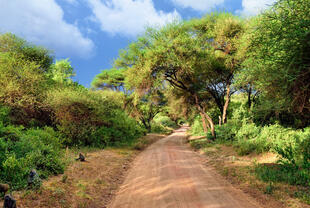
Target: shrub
{"type": "Point", "coordinates": [22, 89]}
{"type": "Point", "coordinates": [197, 128]}
{"type": "Point", "coordinates": [4, 115]}
{"type": "Point", "coordinates": [91, 118]}
{"type": "Point", "coordinates": [23, 150]}
{"type": "Point", "coordinates": [295, 151]}
{"type": "Point", "coordinates": [224, 133]}
{"type": "Point", "coordinates": [160, 129]}
{"type": "Point", "coordinates": [123, 131]}
{"type": "Point", "coordinates": [245, 138]}
{"type": "Point", "coordinates": [165, 121]}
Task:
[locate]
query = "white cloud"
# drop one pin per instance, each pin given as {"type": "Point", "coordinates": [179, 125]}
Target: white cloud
{"type": "Point", "coordinates": [128, 17]}
{"type": "Point", "coordinates": [254, 7]}
{"type": "Point", "coordinates": [199, 5]}
{"type": "Point", "coordinates": [41, 22]}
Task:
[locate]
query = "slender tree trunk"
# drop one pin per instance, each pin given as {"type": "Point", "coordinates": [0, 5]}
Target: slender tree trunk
{"type": "Point", "coordinates": [146, 124]}
{"type": "Point", "coordinates": [208, 125]}
{"type": "Point", "coordinates": [220, 120]}
{"type": "Point", "coordinates": [212, 127]}
{"type": "Point", "coordinates": [224, 118]}
{"type": "Point", "coordinates": [209, 119]}
{"type": "Point", "coordinates": [249, 97]}
{"type": "Point", "coordinates": [204, 123]}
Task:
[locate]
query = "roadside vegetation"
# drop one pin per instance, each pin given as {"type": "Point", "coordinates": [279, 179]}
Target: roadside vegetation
{"type": "Point", "coordinates": [43, 112]}
{"type": "Point", "coordinates": [238, 82]}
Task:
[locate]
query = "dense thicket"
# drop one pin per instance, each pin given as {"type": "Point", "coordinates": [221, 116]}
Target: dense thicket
{"type": "Point", "coordinates": [42, 111]}
{"type": "Point", "coordinates": [276, 53]}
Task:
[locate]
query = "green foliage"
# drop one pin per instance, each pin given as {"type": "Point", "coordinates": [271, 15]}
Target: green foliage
{"type": "Point", "coordinates": [294, 160]}
{"type": "Point", "coordinates": [24, 51]}
{"type": "Point", "coordinates": [144, 108]}
{"type": "Point", "coordinates": [61, 71]}
{"type": "Point", "coordinates": [4, 115]}
{"type": "Point", "coordinates": [90, 118]}
{"type": "Point", "coordinates": [246, 138]}
{"type": "Point", "coordinates": [284, 173]}
{"type": "Point", "coordinates": [110, 79]}
{"type": "Point", "coordinates": [197, 128]}
{"type": "Point", "coordinates": [35, 93]}
{"type": "Point", "coordinates": [23, 86]}
{"type": "Point", "coordinates": [277, 57]}
{"type": "Point", "coordinates": [160, 129]}
{"type": "Point", "coordinates": [165, 121]}
{"type": "Point", "coordinates": [294, 151]}
{"type": "Point", "coordinates": [23, 150]}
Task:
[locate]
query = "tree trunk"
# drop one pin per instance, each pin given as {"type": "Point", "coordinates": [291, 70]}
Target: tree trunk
{"type": "Point", "coordinates": [220, 121]}
{"type": "Point", "coordinates": [249, 97]}
{"type": "Point", "coordinates": [209, 119]}
{"type": "Point", "coordinates": [224, 118]}
{"type": "Point", "coordinates": [204, 123]}
{"type": "Point", "coordinates": [211, 125]}
{"type": "Point", "coordinates": [146, 124]}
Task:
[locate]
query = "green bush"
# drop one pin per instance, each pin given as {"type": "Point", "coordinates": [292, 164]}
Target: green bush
{"type": "Point", "coordinates": [246, 139]}
{"type": "Point", "coordinates": [165, 121]}
{"type": "Point", "coordinates": [91, 118]}
{"type": "Point", "coordinates": [23, 87]}
{"type": "Point", "coordinates": [123, 131]}
{"type": "Point", "coordinates": [224, 133]}
{"type": "Point", "coordinates": [197, 128]}
{"type": "Point", "coordinates": [160, 129]}
{"type": "Point", "coordinates": [295, 149]}
{"type": "Point", "coordinates": [23, 150]}
{"type": "Point", "coordinates": [4, 115]}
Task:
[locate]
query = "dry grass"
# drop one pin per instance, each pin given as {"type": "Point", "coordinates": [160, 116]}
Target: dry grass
{"type": "Point", "coordinates": [239, 170]}
{"type": "Point", "coordinates": [89, 184]}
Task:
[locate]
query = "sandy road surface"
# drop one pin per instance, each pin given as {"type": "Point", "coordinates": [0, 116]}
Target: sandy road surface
{"type": "Point", "coordinates": [169, 174]}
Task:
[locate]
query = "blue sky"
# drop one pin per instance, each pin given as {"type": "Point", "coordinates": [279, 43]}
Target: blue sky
{"type": "Point", "coordinates": [91, 32]}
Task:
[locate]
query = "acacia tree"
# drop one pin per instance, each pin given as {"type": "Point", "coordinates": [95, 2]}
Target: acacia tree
{"type": "Point", "coordinates": [177, 106]}
{"type": "Point", "coordinates": [197, 58]}
{"type": "Point", "coordinates": [221, 34]}
{"type": "Point", "coordinates": [110, 79]}
{"type": "Point", "coordinates": [141, 106]}
{"type": "Point", "coordinates": [276, 56]}
{"type": "Point", "coordinates": [171, 56]}
{"type": "Point", "coordinates": [145, 107]}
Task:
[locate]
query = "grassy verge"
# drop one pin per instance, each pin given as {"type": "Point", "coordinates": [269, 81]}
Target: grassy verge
{"type": "Point", "coordinates": [86, 184]}
{"type": "Point", "coordinates": [256, 174]}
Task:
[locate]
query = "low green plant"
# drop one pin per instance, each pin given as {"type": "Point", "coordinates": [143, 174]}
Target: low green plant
{"type": "Point", "coordinates": [165, 121]}
{"type": "Point", "coordinates": [246, 139]}
{"type": "Point", "coordinates": [197, 128]}
{"type": "Point", "coordinates": [283, 173]}
{"type": "Point", "coordinates": [160, 129]}
{"type": "Point", "coordinates": [23, 150]}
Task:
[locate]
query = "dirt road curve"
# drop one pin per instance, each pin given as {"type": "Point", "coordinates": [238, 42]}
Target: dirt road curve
{"type": "Point", "coordinates": [169, 174]}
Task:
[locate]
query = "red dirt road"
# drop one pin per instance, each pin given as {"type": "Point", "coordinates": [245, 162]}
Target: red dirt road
{"type": "Point", "coordinates": [169, 174]}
